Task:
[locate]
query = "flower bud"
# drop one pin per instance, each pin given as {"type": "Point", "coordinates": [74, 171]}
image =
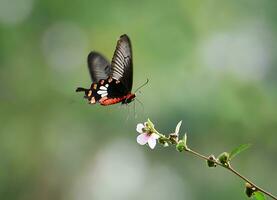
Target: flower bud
{"type": "Point", "coordinates": [212, 161]}
{"type": "Point", "coordinates": [181, 146]}
{"type": "Point", "coordinates": [224, 158]}
{"type": "Point", "coordinates": [163, 142]}
{"type": "Point", "coordinates": [249, 189]}
{"type": "Point", "coordinates": [173, 138]}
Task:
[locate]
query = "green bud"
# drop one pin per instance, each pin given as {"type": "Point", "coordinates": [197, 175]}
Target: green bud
{"type": "Point", "coordinates": [163, 142]}
{"type": "Point", "coordinates": [173, 138]}
{"type": "Point", "coordinates": [181, 146]}
{"type": "Point", "coordinates": [249, 189]}
{"type": "Point", "coordinates": [224, 158]}
{"type": "Point", "coordinates": [212, 161]}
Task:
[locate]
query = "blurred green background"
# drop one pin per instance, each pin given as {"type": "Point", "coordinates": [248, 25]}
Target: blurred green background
{"type": "Point", "coordinates": [210, 63]}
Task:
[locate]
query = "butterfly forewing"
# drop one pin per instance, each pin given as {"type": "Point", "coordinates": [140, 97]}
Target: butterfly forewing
{"type": "Point", "coordinates": [122, 63]}
{"type": "Point", "coordinates": [111, 82]}
{"type": "Point", "coordinates": [99, 66]}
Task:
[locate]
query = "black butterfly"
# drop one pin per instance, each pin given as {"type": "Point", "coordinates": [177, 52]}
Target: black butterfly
{"type": "Point", "coordinates": [111, 82]}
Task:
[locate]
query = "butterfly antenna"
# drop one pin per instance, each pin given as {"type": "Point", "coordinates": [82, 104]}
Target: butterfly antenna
{"type": "Point", "coordinates": [147, 80]}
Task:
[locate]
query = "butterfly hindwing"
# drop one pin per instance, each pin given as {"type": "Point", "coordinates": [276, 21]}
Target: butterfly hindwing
{"type": "Point", "coordinates": [111, 82]}
{"type": "Point", "coordinates": [99, 66]}
{"type": "Point", "coordinates": [122, 63]}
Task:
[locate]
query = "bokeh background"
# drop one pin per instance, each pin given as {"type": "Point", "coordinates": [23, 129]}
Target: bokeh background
{"type": "Point", "coordinates": [210, 63]}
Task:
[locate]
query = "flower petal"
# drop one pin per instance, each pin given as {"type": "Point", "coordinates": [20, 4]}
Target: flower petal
{"type": "Point", "coordinates": [142, 138]}
{"type": "Point", "coordinates": [140, 126]}
{"type": "Point", "coordinates": [152, 142]}
{"type": "Point", "coordinates": [178, 127]}
{"type": "Point", "coordinates": [154, 135]}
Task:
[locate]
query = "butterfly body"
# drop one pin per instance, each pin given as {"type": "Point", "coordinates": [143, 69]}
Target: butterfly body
{"type": "Point", "coordinates": [111, 82]}
{"type": "Point", "coordinates": [124, 100]}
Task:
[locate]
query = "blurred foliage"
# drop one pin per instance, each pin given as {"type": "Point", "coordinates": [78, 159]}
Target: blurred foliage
{"type": "Point", "coordinates": [210, 63]}
{"type": "Point", "coordinates": [259, 196]}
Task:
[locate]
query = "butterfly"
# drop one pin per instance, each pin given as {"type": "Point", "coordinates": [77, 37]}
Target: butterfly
{"type": "Point", "coordinates": [111, 82]}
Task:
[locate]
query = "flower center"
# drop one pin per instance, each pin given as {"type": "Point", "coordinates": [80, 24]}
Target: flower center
{"type": "Point", "coordinates": [147, 131]}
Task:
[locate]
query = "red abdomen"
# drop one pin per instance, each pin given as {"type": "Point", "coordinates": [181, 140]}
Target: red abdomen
{"type": "Point", "coordinates": [106, 101]}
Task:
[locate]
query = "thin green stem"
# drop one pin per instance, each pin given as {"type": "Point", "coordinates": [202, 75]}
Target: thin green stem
{"type": "Point", "coordinates": [251, 183]}
{"type": "Point", "coordinates": [228, 166]}
{"type": "Point", "coordinates": [231, 169]}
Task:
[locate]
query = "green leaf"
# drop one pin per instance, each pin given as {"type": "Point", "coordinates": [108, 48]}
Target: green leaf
{"type": "Point", "coordinates": [259, 196]}
{"type": "Point", "coordinates": [238, 150]}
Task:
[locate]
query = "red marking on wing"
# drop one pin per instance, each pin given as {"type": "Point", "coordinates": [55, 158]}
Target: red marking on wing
{"type": "Point", "coordinates": [106, 101]}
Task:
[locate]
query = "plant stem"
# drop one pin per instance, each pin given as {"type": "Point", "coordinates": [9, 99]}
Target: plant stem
{"type": "Point", "coordinates": [254, 185]}
{"type": "Point", "coordinates": [228, 167]}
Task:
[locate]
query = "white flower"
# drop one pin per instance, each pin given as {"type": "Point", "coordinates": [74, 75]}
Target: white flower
{"type": "Point", "coordinates": [146, 136]}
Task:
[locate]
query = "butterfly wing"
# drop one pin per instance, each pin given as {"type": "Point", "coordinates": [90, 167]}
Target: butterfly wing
{"type": "Point", "coordinates": [122, 63]}
{"type": "Point", "coordinates": [99, 67]}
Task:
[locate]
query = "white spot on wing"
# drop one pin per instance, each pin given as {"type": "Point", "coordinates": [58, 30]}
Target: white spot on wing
{"type": "Point", "coordinates": [101, 92]}
{"type": "Point", "coordinates": [103, 88]}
